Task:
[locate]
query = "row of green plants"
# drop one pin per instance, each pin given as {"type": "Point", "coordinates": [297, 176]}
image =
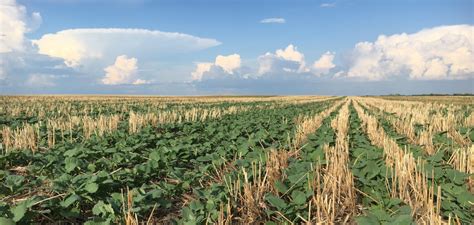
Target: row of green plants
{"type": "Point", "coordinates": [211, 201]}
{"type": "Point", "coordinates": [294, 192]}
{"type": "Point", "coordinates": [371, 177]}
{"type": "Point", "coordinates": [456, 199]}
{"type": "Point", "coordinates": [105, 109]}
{"type": "Point", "coordinates": [87, 182]}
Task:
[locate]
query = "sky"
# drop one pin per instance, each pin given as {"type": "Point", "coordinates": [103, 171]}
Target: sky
{"type": "Point", "coordinates": [236, 47]}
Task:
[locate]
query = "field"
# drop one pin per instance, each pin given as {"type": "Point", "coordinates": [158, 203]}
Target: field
{"type": "Point", "coordinates": [236, 160]}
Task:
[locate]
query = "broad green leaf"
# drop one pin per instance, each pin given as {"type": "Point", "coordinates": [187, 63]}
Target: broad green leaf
{"type": "Point", "coordinates": [298, 197]}
{"type": "Point", "coordinates": [465, 198]}
{"type": "Point", "coordinates": [69, 200]}
{"type": "Point", "coordinates": [196, 205]}
{"type": "Point", "coordinates": [13, 181]}
{"type": "Point", "coordinates": [276, 201]}
{"type": "Point", "coordinates": [188, 214]}
{"type": "Point", "coordinates": [92, 187]}
{"type": "Point", "coordinates": [394, 202]}
{"type": "Point", "coordinates": [438, 157]}
{"type": "Point", "coordinates": [72, 152]}
{"type": "Point", "coordinates": [155, 155]}
{"type": "Point", "coordinates": [91, 167]}
{"type": "Point", "coordinates": [19, 211]}
{"type": "Point", "coordinates": [367, 220]}
{"type": "Point", "coordinates": [6, 221]}
{"type": "Point", "coordinates": [280, 187]}
{"type": "Point", "coordinates": [100, 208]}
{"type": "Point", "coordinates": [381, 214]}
{"type": "Point", "coordinates": [456, 176]}
{"type": "Point", "coordinates": [402, 220]}
{"type": "Point", "coordinates": [70, 164]}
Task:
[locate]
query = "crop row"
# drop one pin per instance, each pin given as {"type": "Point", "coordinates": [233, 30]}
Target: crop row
{"type": "Point", "coordinates": [240, 194]}
{"type": "Point", "coordinates": [443, 188]}
{"type": "Point", "coordinates": [76, 182]}
{"type": "Point", "coordinates": [273, 160]}
{"type": "Point", "coordinates": [457, 150]}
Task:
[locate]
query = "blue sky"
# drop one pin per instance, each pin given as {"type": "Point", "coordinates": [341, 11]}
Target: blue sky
{"type": "Point", "coordinates": [255, 57]}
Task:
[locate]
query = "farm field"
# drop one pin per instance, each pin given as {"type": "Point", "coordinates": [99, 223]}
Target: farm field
{"type": "Point", "coordinates": [236, 160]}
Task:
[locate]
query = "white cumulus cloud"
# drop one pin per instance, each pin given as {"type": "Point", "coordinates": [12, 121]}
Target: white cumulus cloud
{"type": "Point", "coordinates": [201, 68]}
{"type": "Point", "coordinates": [288, 59]}
{"type": "Point", "coordinates": [282, 64]}
{"type": "Point", "coordinates": [445, 52]}
{"type": "Point", "coordinates": [228, 64]}
{"type": "Point", "coordinates": [324, 64]}
{"type": "Point", "coordinates": [273, 20]}
{"type": "Point", "coordinates": [123, 71]}
{"type": "Point", "coordinates": [290, 53]}
{"type": "Point", "coordinates": [75, 46]}
{"type": "Point", "coordinates": [14, 24]}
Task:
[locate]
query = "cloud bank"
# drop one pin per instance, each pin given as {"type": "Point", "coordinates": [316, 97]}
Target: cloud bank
{"type": "Point", "coordinates": [437, 53]}
{"type": "Point", "coordinates": [101, 58]}
{"type": "Point", "coordinates": [223, 65]}
{"type": "Point", "coordinates": [286, 63]}
{"type": "Point", "coordinates": [76, 46]}
{"type": "Point", "coordinates": [84, 53]}
{"type": "Point", "coordinates": [15, 23]}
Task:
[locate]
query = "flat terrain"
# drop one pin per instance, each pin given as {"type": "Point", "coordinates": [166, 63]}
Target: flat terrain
{"type": "Point", "coordinates": [236, 160]}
